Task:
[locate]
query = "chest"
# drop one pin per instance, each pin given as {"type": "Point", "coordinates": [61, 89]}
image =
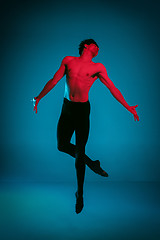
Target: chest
{"type": "Point", "coordinates": [83, 70]}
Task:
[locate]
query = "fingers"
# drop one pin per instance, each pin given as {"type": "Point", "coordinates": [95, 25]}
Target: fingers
{"type": "Point", "coordinates": [136, 117]}
{"type": "Point", "coordinates": [35, 103]}
{"type": "Point", "coordinates": [35, 109]}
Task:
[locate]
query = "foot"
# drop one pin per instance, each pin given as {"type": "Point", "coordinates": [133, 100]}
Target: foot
{"type": "Point", "coordinates": [79, 203]}
{"type": "Point", "coordinates": [97, 169]}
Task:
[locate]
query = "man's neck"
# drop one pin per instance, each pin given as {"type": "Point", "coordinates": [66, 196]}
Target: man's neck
{"type": "Point", "coordinates": [86, 57]}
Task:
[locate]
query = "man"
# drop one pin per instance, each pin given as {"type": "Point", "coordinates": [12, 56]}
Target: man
{"type": "Point", "coordinates": [81, 72]}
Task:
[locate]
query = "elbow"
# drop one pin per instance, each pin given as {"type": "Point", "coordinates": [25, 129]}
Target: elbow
{"type": "Point", "coordinates": [111, 87]}
{"type": "Point", "coordinates": [113, 90]}
{"type": "Point", "coordinates": [57, 77]}
{"type": "Point", "coordinates": [53, 82]}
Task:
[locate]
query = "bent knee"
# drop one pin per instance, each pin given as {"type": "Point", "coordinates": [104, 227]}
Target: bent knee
{"type": "Point", "coordinates": [60, 147]}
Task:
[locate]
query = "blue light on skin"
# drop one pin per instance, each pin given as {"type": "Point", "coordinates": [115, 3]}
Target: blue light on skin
{"type": "Point", "coordinates": [34, 102]}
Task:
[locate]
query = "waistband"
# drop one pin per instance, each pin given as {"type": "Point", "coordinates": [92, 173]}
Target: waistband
{"type": "Point", "coordinates": [75, 103]}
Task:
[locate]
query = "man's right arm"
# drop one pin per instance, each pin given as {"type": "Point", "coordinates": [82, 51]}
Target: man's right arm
{"type": "Point", "coordinates": [51, 83]}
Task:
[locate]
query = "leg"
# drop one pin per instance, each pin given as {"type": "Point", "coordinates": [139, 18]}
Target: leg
{"type": "Point", "coordinates": [80, 171]}
{"type": "Point", "coordinates": [81, 140]}
{"type": "Point", "coordinates": [65, 131]}
{"type": "Point", "coordinates": [82, 132]}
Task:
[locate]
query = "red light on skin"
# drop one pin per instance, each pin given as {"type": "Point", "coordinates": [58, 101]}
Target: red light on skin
{"type": "Point", "coordinates": [81, 72]}
{"type": "Point", "coordinates": [93, 48]}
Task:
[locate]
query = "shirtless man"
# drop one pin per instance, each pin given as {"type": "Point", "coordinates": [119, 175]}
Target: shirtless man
{"type": "Point", "coordinates": [81, 72]}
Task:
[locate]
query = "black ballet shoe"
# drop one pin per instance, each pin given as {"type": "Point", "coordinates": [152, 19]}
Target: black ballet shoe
{"type": "Point", "coordinates": [97, 169]}
{"type": "Point", "coordinates": [79, 203]}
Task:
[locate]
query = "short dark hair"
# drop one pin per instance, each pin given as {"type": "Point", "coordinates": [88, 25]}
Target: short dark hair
{"type": "Point", "coordinates": [88, 42]}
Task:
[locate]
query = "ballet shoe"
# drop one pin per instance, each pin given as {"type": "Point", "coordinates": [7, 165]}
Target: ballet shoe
{"type": "Point", "coordinates": [79, 203]}
{"type": "Point", "coordinates": [97, 169]}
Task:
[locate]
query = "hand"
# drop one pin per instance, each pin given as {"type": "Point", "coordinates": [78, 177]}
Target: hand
{"type": "Point", "coordinates": [133, 111]}
{"type": "Point", "coordinates": [35, 103]}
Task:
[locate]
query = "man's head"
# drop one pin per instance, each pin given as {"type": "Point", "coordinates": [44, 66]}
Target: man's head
{"type": "Point", "coordinates": [86, 42]}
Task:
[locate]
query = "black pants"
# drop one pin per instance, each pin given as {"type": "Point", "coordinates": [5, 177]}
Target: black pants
{"type": "Point", "coordinates": [74, 117]}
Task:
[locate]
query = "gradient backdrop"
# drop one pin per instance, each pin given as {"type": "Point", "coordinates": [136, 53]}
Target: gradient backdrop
{"type": "Point", "coordinates": [35, 36]}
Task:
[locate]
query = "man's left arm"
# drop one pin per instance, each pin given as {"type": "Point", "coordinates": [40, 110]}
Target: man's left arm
{"type": "Point", "coordinates": [103, 76]}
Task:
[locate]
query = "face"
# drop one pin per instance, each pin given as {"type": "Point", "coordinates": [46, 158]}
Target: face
{"type": "Point", "coordinates": [94, 49]}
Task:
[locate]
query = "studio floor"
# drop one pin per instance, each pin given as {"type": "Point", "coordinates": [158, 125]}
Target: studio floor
{"type": "Point", "coordinates": [112, 211]}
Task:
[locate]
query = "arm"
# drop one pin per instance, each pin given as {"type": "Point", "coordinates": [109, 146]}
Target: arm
{"type": "Point", "coordinates": [51, 83]}
{"type": "Point", "coordinates": [103, 76]}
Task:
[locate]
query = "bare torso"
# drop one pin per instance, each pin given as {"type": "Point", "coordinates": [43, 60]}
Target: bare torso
{"type": "Point", "coordinates": [80, 76]}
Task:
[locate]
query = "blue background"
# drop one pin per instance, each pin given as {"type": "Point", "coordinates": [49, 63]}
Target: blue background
{"type": "Point", "coordinates": [37, 183]}
{"type": "Point", "coordinates": [35, 36]}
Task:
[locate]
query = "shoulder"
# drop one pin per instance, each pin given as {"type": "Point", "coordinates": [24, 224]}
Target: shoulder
{"type": "Point", "coordinates": [67, 59]}
{"type": "Point", "coordinates": [100, 67]}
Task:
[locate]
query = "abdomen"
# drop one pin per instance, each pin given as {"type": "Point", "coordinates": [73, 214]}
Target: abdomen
{"type": "Point", "coordinates": [76, 91]}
